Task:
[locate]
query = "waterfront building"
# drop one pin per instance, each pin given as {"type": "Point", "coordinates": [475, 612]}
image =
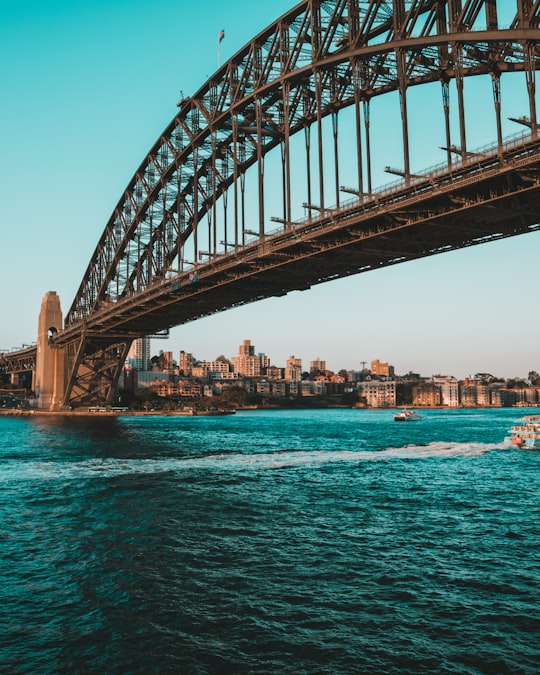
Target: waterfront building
{"type": "Point", "coordinates": [468, 395]}
{"type": "Point", "coordinates": [378, 394]}
{"type": "Point", "coordinates": [264, 387]}
{"type": "Point", "coordinates": [164, 388]}
{"type": "Point", "coordinates": [483, 395]}
{"type": "Point", "coordinates": [449, 389]}
{"type": "Point", "coordinates": [279, 388]}
{"type": "Point", "coordinates": [189, 388]}
{"type": "Point", "coordinates": [527, 397]}
{"type": "Point", "coordinates": [306, 388]}
{"type": "Point", "coordinates": [501, 397]}
{"type": "Point", "coordinates": [427, 394]}
{"type": "Point", "coordinates": [249, 384]}
{"type": "Point", "coordinates": [505, 397]}
{"type": "Point", "coordinates": [313, 388]}
{"type": "Point", "coordinates": [293, 387]}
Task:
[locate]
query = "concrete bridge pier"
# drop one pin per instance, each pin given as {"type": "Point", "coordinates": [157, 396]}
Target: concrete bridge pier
{"type": "Point", "coordinates": [50, 374]}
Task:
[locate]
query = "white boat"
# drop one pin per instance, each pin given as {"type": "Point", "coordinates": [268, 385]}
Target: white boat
{"type": "Point", "coordinates": [406, 416]}
{"type": "Point", "coordinates": [526, 434]}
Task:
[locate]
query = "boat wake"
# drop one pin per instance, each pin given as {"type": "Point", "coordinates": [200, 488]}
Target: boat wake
{"type": "Point", "coordinates": [442, 449]}
{"type": "Point", "coordinates": [235, 462]}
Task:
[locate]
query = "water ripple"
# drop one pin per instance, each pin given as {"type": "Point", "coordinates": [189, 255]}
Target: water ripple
{"type": "Point", "coordinates": [286, 542]}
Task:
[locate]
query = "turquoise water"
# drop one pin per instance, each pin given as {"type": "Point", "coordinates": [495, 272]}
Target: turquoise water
{"type": "Point", "coordinates": [332, 541]}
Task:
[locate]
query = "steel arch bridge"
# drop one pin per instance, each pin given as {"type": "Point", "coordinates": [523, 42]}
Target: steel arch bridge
{"type": "Point", "coordinates": [210, 219]}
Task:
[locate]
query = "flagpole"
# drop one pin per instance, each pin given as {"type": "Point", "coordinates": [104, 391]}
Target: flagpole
{"type": "Point", "coordinates": [220, 37]}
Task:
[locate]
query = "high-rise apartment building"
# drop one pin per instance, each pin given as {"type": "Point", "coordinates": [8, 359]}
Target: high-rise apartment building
{"type": "Point", "coordinates": [247, 362]}
{"type": "Point", "coordinates": [139, 354]}
{"type": "Point", "coordinates": [293, 369]}
{"type": "Point", "coordinates": [317, 366]}
{"type": "Point", "coordinates": [381, 369]}
{"type": "Point", "coordinates": [185, 363]}
{"type": "Point", "coordinates": [168, 360]}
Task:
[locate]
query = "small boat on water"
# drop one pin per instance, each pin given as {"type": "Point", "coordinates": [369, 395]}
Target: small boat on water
{"type": "Point", "coordinates": [526, 434]}
{"type": "Point", "coordinates": [406, 416]}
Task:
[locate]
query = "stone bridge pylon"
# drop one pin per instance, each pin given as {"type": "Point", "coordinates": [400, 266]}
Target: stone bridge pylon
{"type": "Point", "coordinates": [78, 371]}
{"type": "Point", "coordinates": [50, 373]}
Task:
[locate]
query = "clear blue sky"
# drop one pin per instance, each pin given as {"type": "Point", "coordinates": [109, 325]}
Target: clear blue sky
{"type": "Point", "coordinates": [86, 89]}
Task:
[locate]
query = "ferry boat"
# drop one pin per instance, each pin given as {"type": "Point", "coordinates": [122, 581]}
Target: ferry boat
{"type": "Point", "coordinates": [406, 416]}
{"type": "Point", "coordinates": [526, 434]}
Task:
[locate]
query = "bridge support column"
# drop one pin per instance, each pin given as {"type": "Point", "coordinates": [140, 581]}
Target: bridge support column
{"type": "Point", "coordinates": [50, 374]}
{"type": "Point", "coordinates": [14, 379]}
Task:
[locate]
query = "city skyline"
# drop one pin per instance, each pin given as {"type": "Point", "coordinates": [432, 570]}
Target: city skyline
{"type": "Point", "coordinates": [366, 364]}
{"type": "Point", "coordinates": [75, 128]}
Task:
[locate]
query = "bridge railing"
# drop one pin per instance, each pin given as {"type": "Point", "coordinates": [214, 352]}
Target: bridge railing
{"type": "Point", "coordinates": [421, 178]}
{"type": "Point", "coordinates": [417, 184]}
{"type": "Point", "coordinates": [423, 181]}
{"type": "Point", "coordinates": [420, 182]}
{"type": "Point", "coordinates": [435, 171]}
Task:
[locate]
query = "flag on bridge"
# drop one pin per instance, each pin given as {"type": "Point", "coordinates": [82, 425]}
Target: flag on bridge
{"type": "Point", "coordinates": [221, 35]}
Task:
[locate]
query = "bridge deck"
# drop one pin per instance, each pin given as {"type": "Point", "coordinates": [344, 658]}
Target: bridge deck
{"type": "Point", "coordinates": [490, 196]}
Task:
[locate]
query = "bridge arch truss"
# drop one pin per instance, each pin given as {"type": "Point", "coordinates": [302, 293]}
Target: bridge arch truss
{"type": "Point", "coordinates": [201, 192]}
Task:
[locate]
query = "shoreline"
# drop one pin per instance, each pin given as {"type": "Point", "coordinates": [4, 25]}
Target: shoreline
{"type": "Point", "coordinates": [12, 412]}
{"type": "Point", "coordinates": [112, 413]}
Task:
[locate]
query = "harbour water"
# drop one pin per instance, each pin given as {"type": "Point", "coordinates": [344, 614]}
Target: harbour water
{"type": "Point", "coordinates": [329, 541]}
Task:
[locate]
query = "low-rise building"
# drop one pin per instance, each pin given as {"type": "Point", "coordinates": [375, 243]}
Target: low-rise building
{"type": "Point", "coordinates": [208, 368]}
{"type": "Point", "coordinates": [426, 394]}
{"type": "Point", "coordinates": [449, 389]}
{"type": "Point", "coordinates": [468, 394]}
{"type": "Point", "coordinates": [378, 394]}
{"type": "Point", "coordinates": [189, 388]}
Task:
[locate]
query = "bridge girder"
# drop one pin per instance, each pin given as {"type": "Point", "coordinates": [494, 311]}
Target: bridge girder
{"type": "Point", "coordinates": [20, 361]}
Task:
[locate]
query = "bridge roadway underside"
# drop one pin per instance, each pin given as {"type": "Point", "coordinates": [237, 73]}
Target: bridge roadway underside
{"type": "Point", "coordinates": [487, 199]}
